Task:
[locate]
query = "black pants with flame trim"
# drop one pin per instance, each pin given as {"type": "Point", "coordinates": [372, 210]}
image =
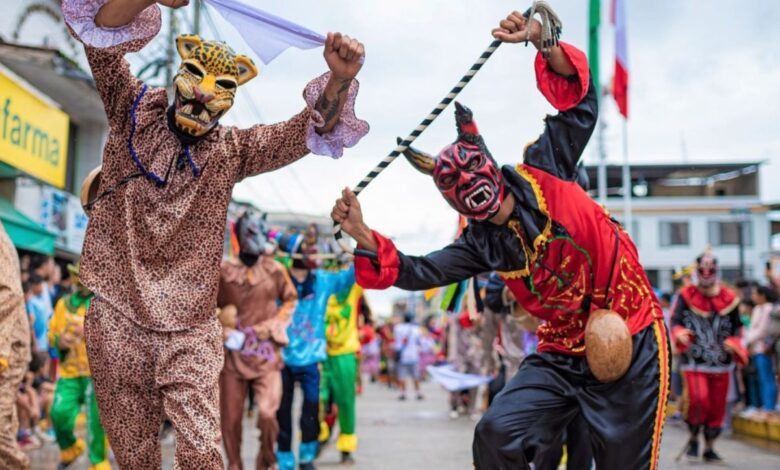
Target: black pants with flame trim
{"type": "Point", "coordinates": [625, 418]}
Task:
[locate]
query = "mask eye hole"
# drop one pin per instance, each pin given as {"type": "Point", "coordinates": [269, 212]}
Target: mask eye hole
{"type": "Point", "coordinates": [193, 69]}
{"type": "Point", "coordinates": [474, 162]}
{"type": "Point", "coordinates": [227, 84]}
{"type": "Point", "coordinates": [449, 180]}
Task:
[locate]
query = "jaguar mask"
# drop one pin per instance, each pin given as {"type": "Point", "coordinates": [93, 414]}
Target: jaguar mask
{"type": "Point", "coordinates": [464, 171]}
{"type": "Point", "coordinates": [206, 83]}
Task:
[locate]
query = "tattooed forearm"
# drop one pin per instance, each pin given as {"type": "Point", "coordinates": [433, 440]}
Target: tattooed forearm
{"type": "Point", "coordinates": [331, 103]}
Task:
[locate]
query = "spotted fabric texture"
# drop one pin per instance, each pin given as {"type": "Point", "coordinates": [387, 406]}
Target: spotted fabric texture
{"type": "Point", "coordinates": [153, 252]}
{"type": "Point", "coordinates": [14, 325]}
{"type": "Point", "coordinates": [142, 376]}
{"type": "Point", "coordinates": [14, 352]}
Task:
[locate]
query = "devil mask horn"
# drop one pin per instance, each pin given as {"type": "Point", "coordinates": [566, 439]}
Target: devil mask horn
{"type": "Point", "coordinates": [422, 161]}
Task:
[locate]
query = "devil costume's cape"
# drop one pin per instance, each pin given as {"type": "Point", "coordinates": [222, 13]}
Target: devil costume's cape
{"type": "Point", "coordinates": [563, 257]}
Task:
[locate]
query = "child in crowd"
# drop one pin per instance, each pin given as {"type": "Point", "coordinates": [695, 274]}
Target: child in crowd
{"type": "Point", "coordinates": [407, 347]}
{"type": "Point", "coordinates": [756, 339]}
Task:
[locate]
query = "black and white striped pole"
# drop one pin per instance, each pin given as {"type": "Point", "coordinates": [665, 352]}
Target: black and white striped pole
{"type": "Point", "coordinates": [337, 234]}
{"type": "Point", "coordinates": [550, 32]}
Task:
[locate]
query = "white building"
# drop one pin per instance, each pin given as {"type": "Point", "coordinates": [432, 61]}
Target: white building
{"type": "Point", "coordinates": [680, 209]}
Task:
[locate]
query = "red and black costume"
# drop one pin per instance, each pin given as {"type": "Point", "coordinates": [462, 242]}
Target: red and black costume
{"type": "Point", "coordinates": [563, 257]}
{"type": "Point", "coordinates": [707, 330]}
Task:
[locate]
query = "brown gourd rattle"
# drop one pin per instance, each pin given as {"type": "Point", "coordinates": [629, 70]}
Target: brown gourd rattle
{"type": "Point", "coordinates": [608, 345]}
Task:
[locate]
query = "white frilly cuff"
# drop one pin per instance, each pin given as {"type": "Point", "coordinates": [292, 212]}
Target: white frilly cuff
{"type": "Point", "coordinates": [348, 130]}
{"type": "Point", "coordinates": [80, 17]}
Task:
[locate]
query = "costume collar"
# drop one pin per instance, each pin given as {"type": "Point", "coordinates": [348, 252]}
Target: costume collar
{"type": "Point", "coordinates": [530, 222]}
{"type": "Point", "coordinates": [722, 303]}
{"type": "Point", "coordinates": [237, 272]}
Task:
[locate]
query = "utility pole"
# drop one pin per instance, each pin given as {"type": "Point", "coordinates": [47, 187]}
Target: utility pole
{"type": "Point", "coordinates": [196, 20]}
{"type": "Point", "coordinates": [602, 168]}
{"type": "Point", "coordinates": [169, 52]}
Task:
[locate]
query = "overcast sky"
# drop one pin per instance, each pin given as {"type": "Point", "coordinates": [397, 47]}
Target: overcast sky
{"type": "Point", "coordinates": [704, 87]}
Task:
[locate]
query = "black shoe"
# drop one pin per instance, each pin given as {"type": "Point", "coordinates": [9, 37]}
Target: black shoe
{"type": "Point", "coordinates": [307, 466]}
{"type": "Point", "coordinates": [693, 450]}
{"type": "Point", "coordinates": [347, 459]}
{"type": "Point", "coordinates": [711, 457]}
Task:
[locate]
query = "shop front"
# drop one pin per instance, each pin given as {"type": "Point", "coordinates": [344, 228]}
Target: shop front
{"type": "Point", "coordinates": [33, 150]}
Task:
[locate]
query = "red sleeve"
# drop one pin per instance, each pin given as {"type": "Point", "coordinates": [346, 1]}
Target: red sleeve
{"type": "Point", "coordinates": [677, 333]}
{"type": "Point", "coordinates": [563, 92]}
{"type": "Point", "coordinates": [735, 347]}
{"type": "Point", "coordinates": [381, 273]}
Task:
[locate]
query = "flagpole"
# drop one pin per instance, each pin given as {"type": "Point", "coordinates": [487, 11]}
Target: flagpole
{"type": "Point", "coordinates": [594, 26]}
{"type": "Point", "coordinates": [627, 214]}
{"type": "Point", "coordinates": [602, 169]}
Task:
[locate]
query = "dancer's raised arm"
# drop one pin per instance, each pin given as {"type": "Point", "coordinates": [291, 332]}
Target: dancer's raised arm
{"type": "Point", "coordinates": [117, 13]}
{"type": "Point", "coordinates": [563, 77]}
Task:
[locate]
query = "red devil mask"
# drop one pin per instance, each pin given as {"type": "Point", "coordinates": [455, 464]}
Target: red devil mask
{"type": "Point", "coordinates": [707, 270]}
{"type": "Point", "coordinates": [464, 171]}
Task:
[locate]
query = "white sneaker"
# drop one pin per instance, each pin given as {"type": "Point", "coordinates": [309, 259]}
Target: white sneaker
{"type": "Point", "coordinates": [454, 414]}
{"type": "Point", "coordinates": [749, 412]}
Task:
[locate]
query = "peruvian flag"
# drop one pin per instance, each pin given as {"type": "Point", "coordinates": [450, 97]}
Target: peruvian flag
{"type": "Point", "coordinates": [620, 80]}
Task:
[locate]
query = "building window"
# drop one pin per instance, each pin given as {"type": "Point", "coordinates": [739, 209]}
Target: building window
{"type": "Point", "coordinates": [653, 277]}
{"type": "Point", "coordinates": [674, 234]}
{"type": "Point", "coordinates": [727, 233]}
{"type": "Point", "coordinates": [732, 276]}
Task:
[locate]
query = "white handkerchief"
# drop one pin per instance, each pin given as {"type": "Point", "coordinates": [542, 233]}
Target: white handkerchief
{"type": "Point", "coordinates": [236, 340]}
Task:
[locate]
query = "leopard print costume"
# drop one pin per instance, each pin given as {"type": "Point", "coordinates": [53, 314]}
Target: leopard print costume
{"type": "Point", "coordinates": [14, 353]}
{"type": "Point", "coordinates": [153, 247]}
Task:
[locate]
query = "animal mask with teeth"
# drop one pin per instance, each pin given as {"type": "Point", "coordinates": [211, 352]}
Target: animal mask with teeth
{"type": "Point", "coordinates": [206, 83]}
{"type": "Point", "coordinates": [464, 171]}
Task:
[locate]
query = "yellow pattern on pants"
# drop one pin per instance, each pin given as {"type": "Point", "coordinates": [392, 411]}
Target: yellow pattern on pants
{"type": "Point", "coordinates": [141, 375]}
{"type": "Point", "coordinates": [11, 457]}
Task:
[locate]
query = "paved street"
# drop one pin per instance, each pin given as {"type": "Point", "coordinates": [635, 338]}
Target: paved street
{"type": "Point", "coordinates": [419, 435]}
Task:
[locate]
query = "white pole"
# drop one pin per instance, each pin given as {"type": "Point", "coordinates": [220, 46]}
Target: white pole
{"type": "Point", "coordinates": [628, 217]}
{"type": "Point", "coordinates": [602, 170]}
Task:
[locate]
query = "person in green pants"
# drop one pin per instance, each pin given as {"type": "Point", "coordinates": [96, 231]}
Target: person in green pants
{"type": "Point", "coordinates": [339, 372]}
{"type": "Point", "coordinates": [74, 388]}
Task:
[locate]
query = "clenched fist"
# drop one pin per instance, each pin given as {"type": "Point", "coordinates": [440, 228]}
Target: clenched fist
{"type": "Point", "coordinates": [347, 212]}
{"type": "Point", "coordinates": [517, 28]}
{"type": "Point", "coordinates": [344, 55]}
